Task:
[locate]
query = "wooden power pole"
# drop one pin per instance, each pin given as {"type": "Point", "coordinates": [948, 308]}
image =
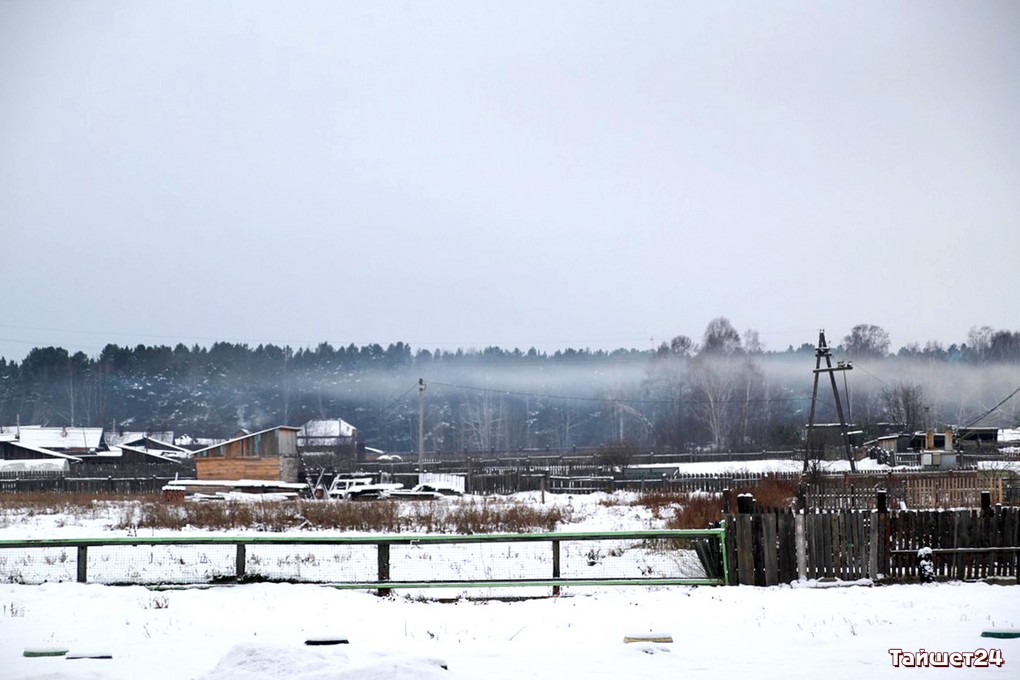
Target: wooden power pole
{"type": "Point", "coordinates": [421, 428]}
{"type": "Point", "coordinates": [823, 352]}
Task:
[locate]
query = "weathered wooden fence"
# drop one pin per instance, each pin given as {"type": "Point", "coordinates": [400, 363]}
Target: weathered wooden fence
{"type": "Point", "coordinates": [912, 490]}
{"type": "Point", "coordinates": [48, 482]}
{"type": "Point", "coordinates": [768, 548]}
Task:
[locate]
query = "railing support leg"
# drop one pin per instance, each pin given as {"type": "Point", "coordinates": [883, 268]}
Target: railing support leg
{"type": "Point", "coordinates": [83, 563]}
{"type": "Point", "coordinates": [384, 568]}
{"type": "Point", "coordinates": [556, 565]}
{"type": "Point", "coordinates": [239, 562]}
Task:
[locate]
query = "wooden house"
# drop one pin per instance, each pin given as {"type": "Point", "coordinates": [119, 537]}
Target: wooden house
{"type": "Point", "coordinates": [328, 442]}
{"type": "Point", "coordinates": [270, 455]}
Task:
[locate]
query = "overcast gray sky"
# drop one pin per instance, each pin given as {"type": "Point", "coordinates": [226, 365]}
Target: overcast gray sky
{"type": "Point", "coordinates": [547, 174]}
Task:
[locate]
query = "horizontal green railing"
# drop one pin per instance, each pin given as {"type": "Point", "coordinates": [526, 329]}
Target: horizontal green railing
{"type": "Point", "coordinates": [383, 582]}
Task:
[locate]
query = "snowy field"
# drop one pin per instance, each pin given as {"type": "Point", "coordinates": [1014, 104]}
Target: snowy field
{"type": "Point", "coordinates": [258, 631]}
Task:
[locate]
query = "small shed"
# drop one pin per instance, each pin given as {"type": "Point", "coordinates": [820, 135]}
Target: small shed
{"type": "Point", "coordinates": [270, 454]}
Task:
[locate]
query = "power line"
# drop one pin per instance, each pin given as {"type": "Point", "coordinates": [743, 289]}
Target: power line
{"type": "Point", "coordinates": [991, 410]}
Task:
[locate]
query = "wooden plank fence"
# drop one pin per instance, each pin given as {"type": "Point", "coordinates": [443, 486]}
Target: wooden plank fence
{"type": "Point", "coordinates": [60, 483]}
{"type": "Point", "coordinates": [766, 548]}
{"type": "Point", "coordinates": [912, 490]}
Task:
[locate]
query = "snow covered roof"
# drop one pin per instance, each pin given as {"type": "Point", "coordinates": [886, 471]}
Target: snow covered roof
{"type": "Point", "coordinates": [253, 434]}
{"type": "Point", "coordinates": [170, 456]}
{"type": "Point", "coordinates": [327, 428]}
{"type": "Point", "coordinates": [119, 438]}
{"type": "Point", "coordinates": [159, 442]}
{"type": "Point", "coordinates": [61, 437]}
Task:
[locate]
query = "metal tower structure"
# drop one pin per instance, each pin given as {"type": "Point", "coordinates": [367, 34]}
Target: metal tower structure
{"type": "Point", "coordinates": [823, 352]}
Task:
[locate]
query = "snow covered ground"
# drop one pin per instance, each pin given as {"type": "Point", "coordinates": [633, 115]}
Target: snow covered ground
{"type": "Point", "coordinates": [258, 631]}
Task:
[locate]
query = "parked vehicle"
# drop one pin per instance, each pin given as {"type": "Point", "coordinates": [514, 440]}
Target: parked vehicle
{"type": "Point", "coordinates": [355, 488]}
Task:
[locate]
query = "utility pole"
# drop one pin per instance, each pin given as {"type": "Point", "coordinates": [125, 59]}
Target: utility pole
{"type": "Point", "coordinates": [421, 428]}
{"type": "Point", "coordinates": [823, 352]}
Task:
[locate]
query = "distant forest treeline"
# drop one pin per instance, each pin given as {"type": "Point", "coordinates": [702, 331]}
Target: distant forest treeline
{"type": "Point", "coordinates": [724, 391]}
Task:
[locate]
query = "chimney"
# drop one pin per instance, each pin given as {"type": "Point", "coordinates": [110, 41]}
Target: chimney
{"type": "Point", "coordinates": [949, 441]}
{"type": "Point", "coordinates": [929, 440]}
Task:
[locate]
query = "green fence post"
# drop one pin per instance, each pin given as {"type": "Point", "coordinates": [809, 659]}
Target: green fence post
{"type": "Point", "coordinates": [83, 563]}
{"type": "Point", "coordinates": [556, 564]}
{"type": "Point", "coordinates": [239, 562]}
{"type": "Point", "coordinates": [384, 567]}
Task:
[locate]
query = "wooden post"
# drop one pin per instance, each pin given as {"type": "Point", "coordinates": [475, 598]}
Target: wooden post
{"type": "Point", "coordinates": [787, 547]}
{"type": "Point", "coordinates": [801, 546]}
{"type": "Point", "coordinates": [745, 503]}
{"type": "Point", "coordinates": [239, 562]}
{"type": "Point", "coordinates": [83, 563]}
{"type": "Point", "coordinates": [881, 536]}
{"type": "Point", "coordinates": [384, 567]}
{"type": "Point", "coordinates": [730, 539]}
{"type": "Point", "coordinates": [769, 549]}
{"type": "Point", "coordinates": [745, 540]}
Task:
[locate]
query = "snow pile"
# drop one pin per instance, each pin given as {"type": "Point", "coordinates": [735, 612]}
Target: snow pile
{"type": "Point", "coordinates": [255, 662]}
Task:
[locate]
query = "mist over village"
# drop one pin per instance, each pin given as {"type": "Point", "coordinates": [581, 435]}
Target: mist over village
{"type": "Point", "coordinates": [718, 391]}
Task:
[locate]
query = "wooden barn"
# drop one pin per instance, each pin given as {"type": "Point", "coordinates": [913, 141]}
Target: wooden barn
{"type": "Point", "coordinates": [270, 455]}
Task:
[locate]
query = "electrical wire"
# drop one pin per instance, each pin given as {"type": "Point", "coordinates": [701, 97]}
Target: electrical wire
{"type": "Point", "coordinates": [991, 410]}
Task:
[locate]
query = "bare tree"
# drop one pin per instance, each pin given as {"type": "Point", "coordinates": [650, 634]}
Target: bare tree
{"type": "Point", "coordinates": [904, 403]}
{"type": "Point", "coordinates": [667, 386]}
{"type": "Point", "coordinates": [482, 421]}
{"type": "Point", "coordinates": [716, 383]}
{"type": "Point", "coordinates": [866, 340]}
{"type": "Point", "coordinates": [979, 340]}
{"type": "Point", "coordinates": [752, 342]}
{"type": "Point", "coordinates": [721, 338]}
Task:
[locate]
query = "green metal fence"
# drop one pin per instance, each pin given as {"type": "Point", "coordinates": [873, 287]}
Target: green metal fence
{"type": "Point", "coordinates": [642, 558]}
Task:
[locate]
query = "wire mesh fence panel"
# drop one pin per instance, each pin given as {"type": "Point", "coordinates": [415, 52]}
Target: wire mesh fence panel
{"type": "Point", "coordinates": [160, 564]}
{"type": "Point", "coordinates": [489, 561]}
{"type": "Point", "coordinates": [628, 559]}
{"type": "Point", "coordinates": [312, 563]}
{"type": "Point", "coordinates": [32, 566]}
